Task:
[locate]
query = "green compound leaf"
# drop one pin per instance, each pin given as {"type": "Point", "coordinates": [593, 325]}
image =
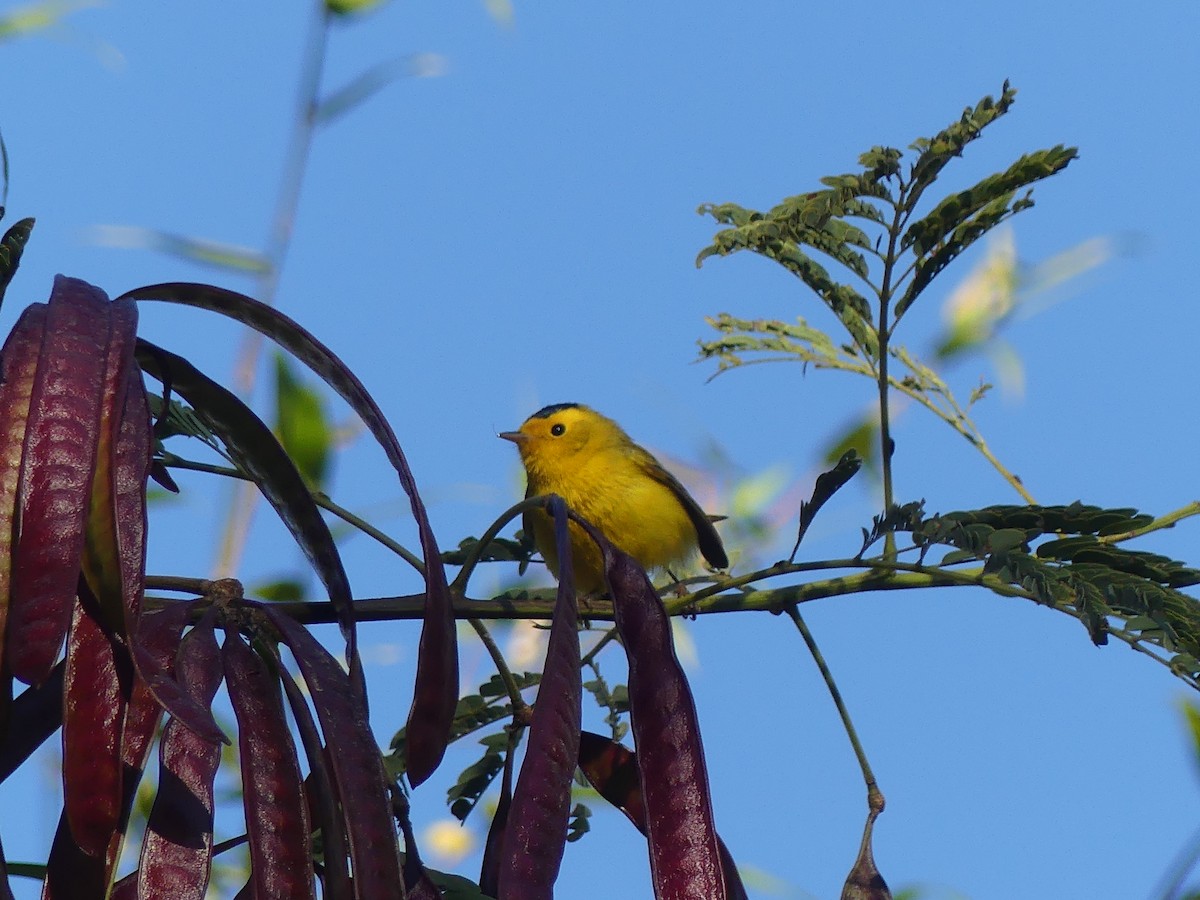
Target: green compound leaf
{"type": "Point", "coordinates": [1107, 587]}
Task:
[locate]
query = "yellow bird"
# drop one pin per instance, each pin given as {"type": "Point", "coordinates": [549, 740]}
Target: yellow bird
{"type": "Point", "coordinates": [587, 459]}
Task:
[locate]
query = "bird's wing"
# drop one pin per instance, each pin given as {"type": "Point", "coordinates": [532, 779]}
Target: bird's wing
{"type": "Point", "coordinates": [706, 534]}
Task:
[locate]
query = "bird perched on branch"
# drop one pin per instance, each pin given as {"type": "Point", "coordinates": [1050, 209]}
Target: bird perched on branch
{"type": "Point", "coordinates": [587, 459]}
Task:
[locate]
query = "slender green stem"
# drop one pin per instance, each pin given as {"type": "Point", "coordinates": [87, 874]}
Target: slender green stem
{"type": "Point", "coordinates": [882, 381]}
{"type": "Point", "coordinates": [843, 712]}
{"type": "Point", "coordinates": [472, 560]}
{"type": "Point", "coordinates": [506, 675]}
{"type": "Point", "coordinates": [605, 639]}
{"type": "Point", "coordinates": [1167, 520]}
{"type": "Point", "coordinates": [322, 500]}
{"type": "Point", "coordinates": [957, 419]}
{"type": "Point", "coordinates": [229, 844]}
{"type": "Point", "coordinates": [370, 530]}
{"type": "Point", "coordinates": [179, 583]}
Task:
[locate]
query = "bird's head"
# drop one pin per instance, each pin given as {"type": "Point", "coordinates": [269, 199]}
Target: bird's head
{"type": "Point", "coordinates": [562, 436]}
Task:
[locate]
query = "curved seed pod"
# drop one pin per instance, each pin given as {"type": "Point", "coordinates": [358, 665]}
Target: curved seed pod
{"type": "Point", "coordinates": [864, 881]}
{"type": "Point", "coordinates": [70, 873]}
{"type": "Point", "coordinates": [18, 364]}
{"type": "Point", "coordinates": [685, 861]}
{"type": "Point", "coordinates": [153, 645]}
{"type": "Point", "coordinates": [493, 848]}
{"type": "Point", "coordinates": [56, 475]}
{"type": "Point", "coordinates": [536, 833]}
{"type": "Point", "coordinates": [319, 787]}
{"type": "Point", "coordinates": [35, 715]}
{"type": "Point", "coordinates": [357, 764]}
{"type": "Point", "coordinates": [436, 692]}
{"type": "Point", "coordinates": [131, 471]}
{"type": "Point", "coordinates": [142, 715]}
{"type": "Point", "coordinates": [613, 771]}
{"type": "Point", "coordinates": [95, 692]}
{"type": "Point", "coordinates": [177, 849]}
{"type": "Point", "coordinates": [126, 888]}
{"type": "Point", "coordinates": [276, 814]}
{"type": "Point", "coordinates": [104, 568]}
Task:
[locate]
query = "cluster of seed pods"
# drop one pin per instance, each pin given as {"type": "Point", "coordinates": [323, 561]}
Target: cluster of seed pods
{"type": "Point", "coordinates": [76, 451]}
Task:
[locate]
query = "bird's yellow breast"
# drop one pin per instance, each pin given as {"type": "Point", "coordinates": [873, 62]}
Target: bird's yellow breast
{"type": "Point", "coordinates": [612, 490]}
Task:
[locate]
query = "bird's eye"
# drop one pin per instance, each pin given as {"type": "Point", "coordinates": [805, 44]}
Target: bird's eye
{"type": "Point", "coordinates": [557, 429]}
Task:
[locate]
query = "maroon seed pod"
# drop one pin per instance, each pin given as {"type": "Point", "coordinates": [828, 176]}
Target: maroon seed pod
{"type": "Point", "coordinates": [176, 853]}
{"type": "Point", "coordinates": [613, 771]}
{"type": "Point", "coordinates": [72, 874]}
{"type": "Point", "coordinates": [134, 454]}
{"type": "Point", "coordinates": [18, 364]}
{"type": "Point", "coordinates": [94, 698]}
{"type": "Point", "coordinates": [257, 451]}
{"type": "Point", "coordinates": [153, 646]}
{"type": "Point", "coordinates": [56, 475]}
{"type": "Point", "coordinates": [103, 565]}
{"type": "Point", "coordinates": [319, 787]}
{"type": "Point", "coordinates": [493, 848]}
{"type": "Point", "coordinates": [276, 814]}
{"type": "Point", "coordinates": [536, 832]}
{"type": "Point", "coordinates": [436, 694]}
{"type": "Point", "coordinates": [355, 759]}
{"type": "Point", "coordinates": [685, 861]}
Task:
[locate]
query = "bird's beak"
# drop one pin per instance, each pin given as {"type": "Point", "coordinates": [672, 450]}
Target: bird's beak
{"type": "Point", "coordinates": [515, 436]}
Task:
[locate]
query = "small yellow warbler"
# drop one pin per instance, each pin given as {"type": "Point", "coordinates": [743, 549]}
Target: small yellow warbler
{"type": "Point", "coordinates": [588, 460]}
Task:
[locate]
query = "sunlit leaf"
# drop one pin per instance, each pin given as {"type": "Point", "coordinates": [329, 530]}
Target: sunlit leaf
{"type": "Point", "coordinates": [302, 423]}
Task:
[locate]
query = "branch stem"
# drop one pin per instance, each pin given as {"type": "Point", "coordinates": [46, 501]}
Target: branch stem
{"type": "Point", "coordinates": [851, 733]}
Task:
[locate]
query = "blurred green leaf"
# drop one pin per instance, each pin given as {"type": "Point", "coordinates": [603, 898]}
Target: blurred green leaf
{"type": "Point", "coordinates": [370, 82]}
{"type": "Point", "coordinates": [283, 590]}
{"type": "Point", "coordinates": [227, 257]}
{"type": "Point", "coordinates": [25, 20]}
{"type": "Point", "coordinates": [36, 871]}
{"type": "Point", "coordinates": [499, 550]}
{"type": "Point", "coordinates": [301, 423]}
{"type": "Point", "coordinates": [861, 437]}
{"type": "Point", "coordinates": [351, 7]}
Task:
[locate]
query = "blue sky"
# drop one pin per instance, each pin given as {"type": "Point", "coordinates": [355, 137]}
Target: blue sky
{"type": "Point", "coordinates": [521, 230]}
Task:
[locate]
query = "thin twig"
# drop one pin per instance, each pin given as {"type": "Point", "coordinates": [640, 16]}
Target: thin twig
{"type": "Point", "coordinates": [510, 683]}
{"type": "Point", "coordinates": [1167, 520]}
{"type": "Point", "coordinates": [875, 797]}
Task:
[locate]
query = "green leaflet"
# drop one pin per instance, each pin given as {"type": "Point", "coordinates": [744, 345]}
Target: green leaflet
{"type": "Point", "coordinates": [12, 245]}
